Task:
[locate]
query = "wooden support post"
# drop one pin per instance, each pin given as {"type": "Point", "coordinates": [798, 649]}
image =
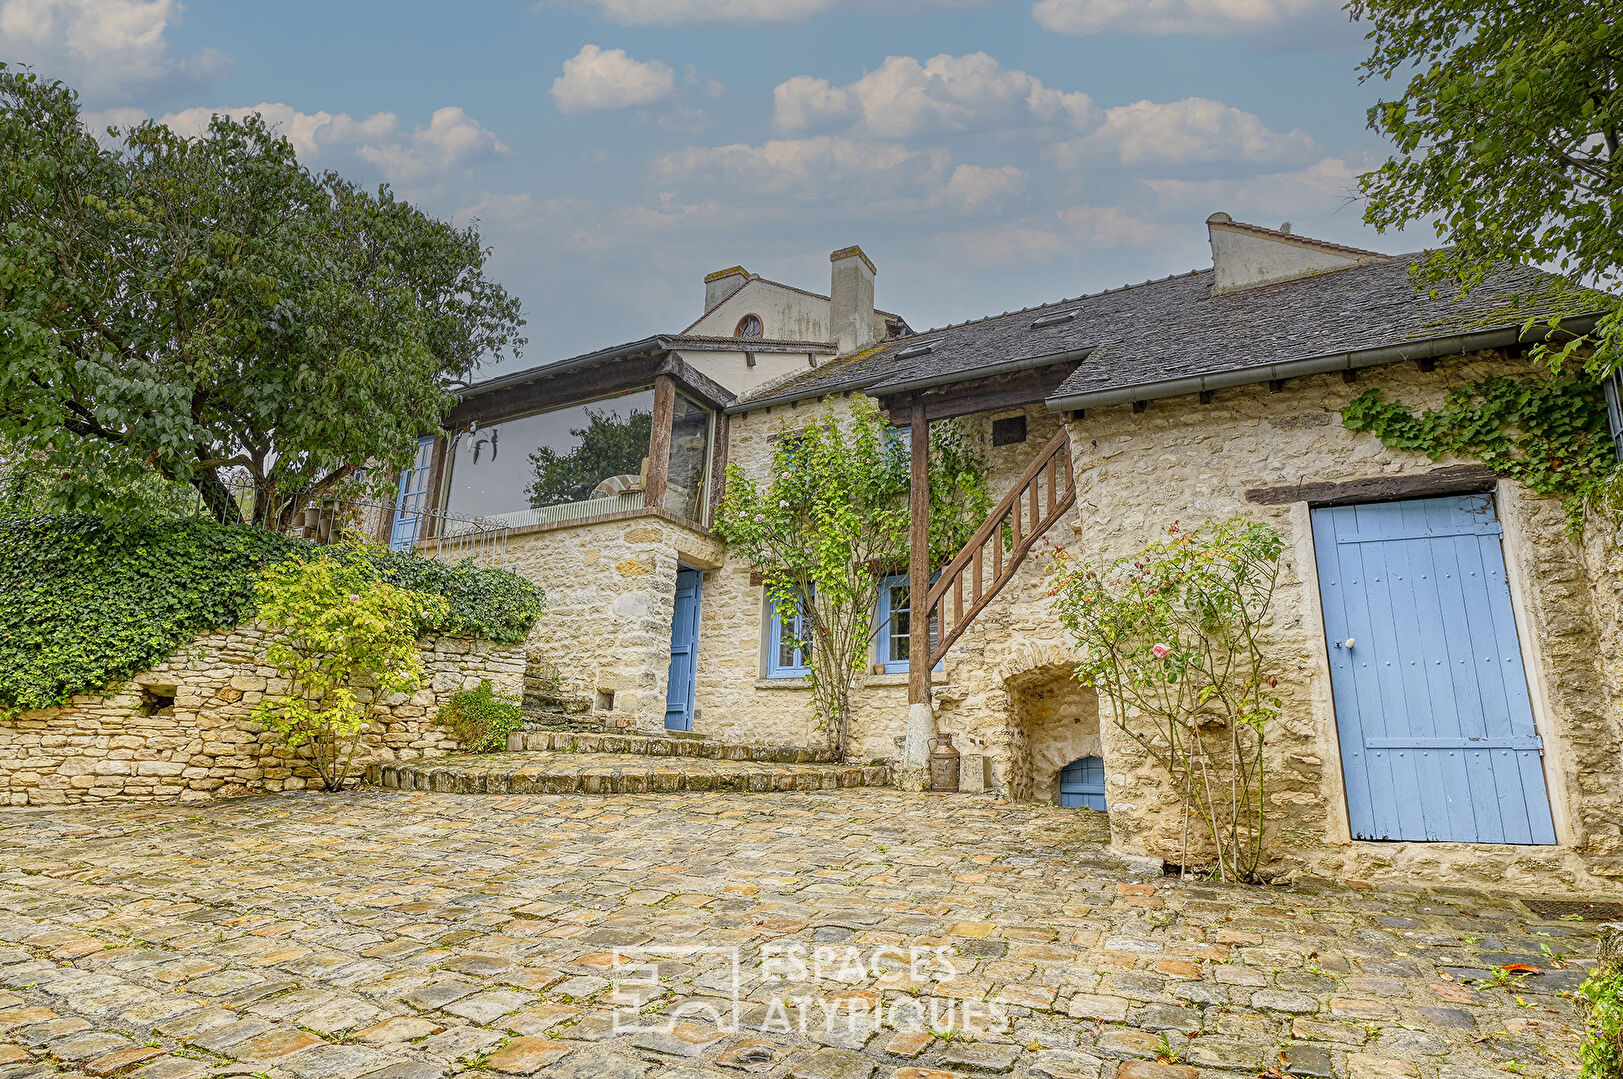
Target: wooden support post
{"type": "Point", "coordinates": [659, 444]}
{"type": "Point", "coordinates": [918, 560]}
{"type": "Point", "coordinates": [718, 466]}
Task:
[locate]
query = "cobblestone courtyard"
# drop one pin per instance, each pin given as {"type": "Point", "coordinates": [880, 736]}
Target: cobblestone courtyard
{"type": "Point", "coordinates": [405, 935]}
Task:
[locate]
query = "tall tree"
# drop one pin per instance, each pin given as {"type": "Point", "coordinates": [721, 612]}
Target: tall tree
{"type": "Point", "coordinates": [1507, 134]}
{"type": "Point", "coordinates": [202, 308]}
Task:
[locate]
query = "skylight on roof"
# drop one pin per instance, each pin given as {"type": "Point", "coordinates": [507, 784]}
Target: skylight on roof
{"type": "Point", "coordinates": [1055, 319]}
{"type": "Point", "coordinates": [916, 350]}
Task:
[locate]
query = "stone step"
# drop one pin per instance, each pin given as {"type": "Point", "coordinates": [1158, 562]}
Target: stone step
{"type": "Point", "coordinates": [664, 745]}
{"type": "Point", "coordinates": [612, 773]}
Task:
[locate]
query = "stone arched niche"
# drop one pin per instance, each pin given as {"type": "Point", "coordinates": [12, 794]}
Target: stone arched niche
{"type": "Point", "coordinates": [1055, 721]}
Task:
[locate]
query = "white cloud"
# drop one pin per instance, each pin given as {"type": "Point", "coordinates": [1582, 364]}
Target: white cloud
{"type": "Point", "coordinates": [670, 12]}
{"type": "Point", "coordinates": [450, 141]}
{"type": "Point", "coordinates": [1320, 188]}
{"type": "Point", "coordinates": [973, 188]}
{"type": "Point", "coordinates": [596, 79]}
{"type": "Point", "coordinates": [810, 170]}
{"type": "Point", "coordinates": [1195, 129]}
{"type": "Point", "coordinates": [108, 49]}
{"type": "Point", "coordinates": [1072, 231]}
{"type": "Point", "coordinates": [1159, 17]}
{"type": "Point", "coordinates": [904, 98]}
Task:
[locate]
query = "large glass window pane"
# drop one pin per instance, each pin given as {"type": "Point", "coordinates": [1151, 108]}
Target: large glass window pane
{"type": "Point", "coordinates": [688, 476]}
{"type": "Point", "coordinates": [522, 470]}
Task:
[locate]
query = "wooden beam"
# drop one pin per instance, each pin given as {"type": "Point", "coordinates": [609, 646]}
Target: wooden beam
{"type": "Point", "coordinates": [918, 564]}
{"type": "Point", "coordinates": [659, 444]}
{"type": "Point", "coordinates": [438, 495]}
{"type": "Point", "coordinates": [1449, 480]}
{"type": "Point", "coordinates": [544, 392]}
{"type": "Point", "coordinates": [980, 395]}
{"type": "Point", "coordinates": [718, 466]}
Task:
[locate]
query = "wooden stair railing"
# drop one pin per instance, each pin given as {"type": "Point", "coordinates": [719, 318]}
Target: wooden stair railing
{"type": "Point", "coordinates": [1038, 498]}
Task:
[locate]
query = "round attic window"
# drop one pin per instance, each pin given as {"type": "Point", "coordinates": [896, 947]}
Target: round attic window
{"type": "Point", "coordinates": [749, 326]}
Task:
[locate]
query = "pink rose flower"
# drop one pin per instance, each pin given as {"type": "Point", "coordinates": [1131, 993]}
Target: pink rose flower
{"type": "Point", "coordinates": [1161, 651]}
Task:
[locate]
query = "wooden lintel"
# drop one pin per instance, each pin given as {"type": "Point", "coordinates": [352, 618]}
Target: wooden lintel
{"type": "Point", "coordinates": [1448, 480]}
{"type": "Point", "coordinates": [659, 443]}
{"type": "Point", "coordinates": [695, 382]}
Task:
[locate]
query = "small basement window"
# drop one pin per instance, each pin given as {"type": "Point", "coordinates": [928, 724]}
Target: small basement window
{"type": "Point", "coordinates": [605, 700]}
{"type": "Point", "coordinates": [1009, 431]}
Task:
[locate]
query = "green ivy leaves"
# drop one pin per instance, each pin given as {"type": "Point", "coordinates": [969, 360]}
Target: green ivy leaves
{"type": "Point", "coordinates": [85, 605]}
{"type": "Point", "coordinates": [1549, 433]}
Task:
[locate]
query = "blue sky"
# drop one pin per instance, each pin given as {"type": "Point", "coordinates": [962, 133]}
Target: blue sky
{"type": "Point", "coordinates": [987, 155]}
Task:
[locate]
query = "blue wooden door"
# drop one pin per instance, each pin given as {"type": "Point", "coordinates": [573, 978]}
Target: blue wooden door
{"type": "Point", "coordinates": [684, 649]}
{"type": "Point", "coordinates": [412, 498]}
{"type": "Point", "coordinates": [1082, 784]}
{"type": "Point", "coordinates": [1431, 700]}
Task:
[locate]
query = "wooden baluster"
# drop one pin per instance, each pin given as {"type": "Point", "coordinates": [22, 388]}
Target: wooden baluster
{"type": "Point", "coordinates": [1036, 515]}
{"type": "Point", "coordinates": [1016, 534]}
{"type": "Point", "coordinates": [997, 551]}
{"type": "Point", "coordinates": [1053, 482]}
{"type": "Point", "coordinates": [958, 597]}
{"type": "Point", "coordinates": [979, 553]}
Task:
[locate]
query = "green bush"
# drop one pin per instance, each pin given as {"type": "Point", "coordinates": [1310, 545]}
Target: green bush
{"type": "Point", "coordinates": [481, 720]}
{"type": "Point", "coordinates": [1602, 1051]}
{"type": "Point", "coordinates": [85, 605]}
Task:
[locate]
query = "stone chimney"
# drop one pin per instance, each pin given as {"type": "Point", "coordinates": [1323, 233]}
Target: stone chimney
{"type": "Point", "coordinates": [1246, 256]}
{"type": "Point", "coordinates": [851, 321]}
{"type": "Point", "coordinates": [723, 283]}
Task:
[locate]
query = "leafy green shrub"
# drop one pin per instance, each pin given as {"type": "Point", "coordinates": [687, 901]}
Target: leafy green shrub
{"type": "Point", "coordinates": [481, 720]}
{"type": "Point", "coordinates": [85, 605]}
{"type": "Point", "coordinates": [344, 639]}
{"type": "Point", "coordinates": [1602, 1051]}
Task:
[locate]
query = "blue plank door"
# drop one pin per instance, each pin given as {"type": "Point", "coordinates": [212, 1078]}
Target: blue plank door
{"type": "Point", "coordinates": [1431, 699]}
{"type": "Point", "coordinates": [684, 651]}
{"type": "Point", "coordinates": [1082, 784]}
{"type": "Point", "coordinates": [411, 498]}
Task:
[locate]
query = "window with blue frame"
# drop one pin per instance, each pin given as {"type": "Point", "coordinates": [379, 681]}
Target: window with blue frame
{"type": "Point", "coordinates": [788, 652]}
{"type": "Point", "coordinates": [895, 625]}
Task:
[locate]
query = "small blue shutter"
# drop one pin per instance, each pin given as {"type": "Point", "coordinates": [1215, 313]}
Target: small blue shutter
{"type": "Point", "coordinates": [1432, 709]}
{"type": "Point", "coordinates": [412, 498]}
{"type": "Point", "coordinates": [1082, 784]}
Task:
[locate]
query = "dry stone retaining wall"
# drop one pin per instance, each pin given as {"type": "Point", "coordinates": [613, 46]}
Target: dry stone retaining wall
{"type": "Point", "coordinates": [185, 728]}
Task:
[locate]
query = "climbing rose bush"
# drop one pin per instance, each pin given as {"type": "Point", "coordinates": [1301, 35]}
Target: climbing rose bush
{"type": "Point", "coordinates": [1172, 637]}
{"type": "Point", "coordinates": [343, 638]}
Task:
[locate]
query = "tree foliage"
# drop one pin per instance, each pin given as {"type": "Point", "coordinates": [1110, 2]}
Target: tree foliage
{"type": "Point", "coordinates": [832, 520]}
{"type": "Point", "coordinates": [1507, 136]}
{"type": "Point", "coordinates": [201, 308]}
{"type": "Point", "coordinates": [1172, 636]}
{"type": "Point", "coordinates": [608, 446]}
{"type": "Point", "coordinates": [342, 638]}
{"type": "Point", "coordinates": [85, 604]}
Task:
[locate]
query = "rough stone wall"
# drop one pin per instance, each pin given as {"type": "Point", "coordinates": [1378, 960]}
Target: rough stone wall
{"type": "Point", "coordinates": [610, 591]}
{"type": "Point", "coordinates": [1180, 461]}
{"type": "Point", "coordinates": [120, 746]}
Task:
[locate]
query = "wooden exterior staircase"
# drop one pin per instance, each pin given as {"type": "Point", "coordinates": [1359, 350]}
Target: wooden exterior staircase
{"type": "Point", "coordinates": [989, 560]}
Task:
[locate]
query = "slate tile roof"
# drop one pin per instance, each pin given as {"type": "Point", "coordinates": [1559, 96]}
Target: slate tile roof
{"type": "Point", "coordinates": [1177, 328]}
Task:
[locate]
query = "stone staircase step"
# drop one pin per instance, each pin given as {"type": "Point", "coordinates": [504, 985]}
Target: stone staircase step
{"type": "Point", "coordinates": [554, 772]}
{"type": "Point", "coordinates": [674, 744]}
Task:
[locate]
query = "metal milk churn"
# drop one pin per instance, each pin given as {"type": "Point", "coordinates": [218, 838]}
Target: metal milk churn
{"type": "Point", "coordinates": [943, 764]}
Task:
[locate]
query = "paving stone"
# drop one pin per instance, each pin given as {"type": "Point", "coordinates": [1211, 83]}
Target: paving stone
{"type": "Point", "coordinates": [333, 1062]}
{"type": "Point", "coordinates": [85, 1046]}
{"type": "Point", "coordinates": [831, 1063]}
{"type": "Point", "coordinates": [981, 1056]}
{"type": "Point", "coordinates": [1310, 1060]}
{"type": "Point", "coordinates": [526, 1056]}
{"type": "Point", "coordinates": [408, 1069]}
{"type": "Point", "coordinates": [1065, 1064]}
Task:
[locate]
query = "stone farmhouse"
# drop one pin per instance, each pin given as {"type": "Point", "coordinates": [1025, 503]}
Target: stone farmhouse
{"type": "Point", "coordinates": [1447, 707]}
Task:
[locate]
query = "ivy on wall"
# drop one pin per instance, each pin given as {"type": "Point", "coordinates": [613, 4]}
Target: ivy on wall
{"type": "Point", "coordinates": [85, 605]}
{"type": "Point", "coordinates": [1549, 433]}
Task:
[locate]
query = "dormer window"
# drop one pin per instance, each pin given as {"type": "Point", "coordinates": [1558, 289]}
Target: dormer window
{"type": "Point", "coordinates": [749, 327]}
